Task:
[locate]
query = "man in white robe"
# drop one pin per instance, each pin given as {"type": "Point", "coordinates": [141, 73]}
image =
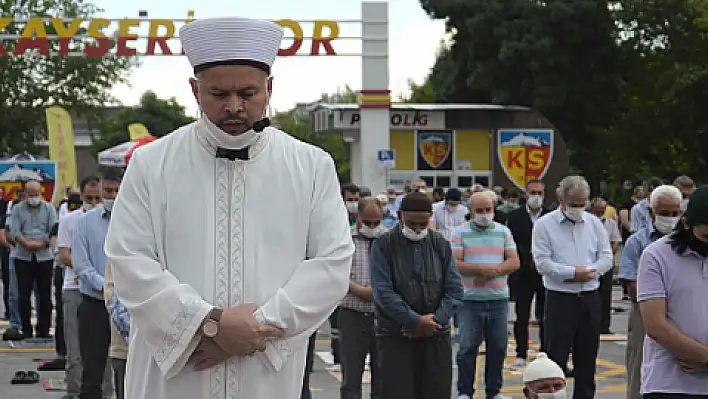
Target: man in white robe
{"type": "Point", "coordinates": [209, 268]}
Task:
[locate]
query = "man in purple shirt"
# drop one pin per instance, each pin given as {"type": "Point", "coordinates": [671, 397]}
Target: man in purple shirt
{"type": "Point", "coordinates": [671, 286]}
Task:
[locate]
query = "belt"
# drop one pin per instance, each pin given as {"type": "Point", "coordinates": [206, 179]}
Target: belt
{"type": "Point", "coordinates": [580, 294]}
{"type": "Point", "coordinates": [368, 314]}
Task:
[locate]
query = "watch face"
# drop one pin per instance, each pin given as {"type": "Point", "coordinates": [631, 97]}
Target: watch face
{"type": "Point", "coordinates": [210, 329]}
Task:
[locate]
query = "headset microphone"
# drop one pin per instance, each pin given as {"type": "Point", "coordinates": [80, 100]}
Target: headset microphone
{"type": "Point", "coordinates": [260, 125]}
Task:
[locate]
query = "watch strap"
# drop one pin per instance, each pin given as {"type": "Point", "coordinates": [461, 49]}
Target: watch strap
{"type": "Point", "coordinates": [215, 314]}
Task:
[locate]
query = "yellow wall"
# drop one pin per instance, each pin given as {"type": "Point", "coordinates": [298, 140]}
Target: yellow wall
{"type": "Point", "coordinates": [473, 146]}
{"type": "Point", "coordinates": [403, 141]}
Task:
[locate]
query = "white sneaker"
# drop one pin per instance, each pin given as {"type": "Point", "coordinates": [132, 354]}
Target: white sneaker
{"type": "Point", "coordinates": [464, 397]}
{"type": "Point", "coordinates": [518, 363]}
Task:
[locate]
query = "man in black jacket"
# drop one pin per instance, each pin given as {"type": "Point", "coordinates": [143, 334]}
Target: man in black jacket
{"type": "Point", "coordinates": [527, 280]}
{"type": "Point", "coordinates": [416, 290]}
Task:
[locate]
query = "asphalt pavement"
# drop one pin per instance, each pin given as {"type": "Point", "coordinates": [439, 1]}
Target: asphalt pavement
{"type": "Point", "coordinates": [611, 373]}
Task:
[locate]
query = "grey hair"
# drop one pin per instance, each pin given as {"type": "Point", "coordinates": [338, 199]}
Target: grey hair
{"type": "Point", "coordinates": [573, 182]}
{"type": "Point", "coordinates": [487, 193]}
{"type": "Point", "coordinates": [664, 191]}
{"type": "Point", "coordinates": [684, 182]}
{"type": "Point", "coordinates": [366, 202]}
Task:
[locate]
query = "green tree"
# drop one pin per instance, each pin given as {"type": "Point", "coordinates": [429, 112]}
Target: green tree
{"type": "Point", "coordinates": [31, 82]}
{"type": "Point", "coordinates": [159, 116]}
{"type": "Point", "coordinates": [419, 94]}
{"type": "Point", "coordinates": [557, 56]}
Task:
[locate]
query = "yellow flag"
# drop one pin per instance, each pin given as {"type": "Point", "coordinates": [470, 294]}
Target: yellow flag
{"type": "Point", "coordinates": [61, 148]}
{"type": "Point", "coordinates": [137, 130]}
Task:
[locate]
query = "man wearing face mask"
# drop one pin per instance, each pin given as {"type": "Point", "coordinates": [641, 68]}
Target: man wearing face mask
{"type": "Point", "coordinates": [219, 308]}
{"type": "Point", "coordinates": [31, 224]}
{"type": "Point", "coordinates": [571, 250]}
{"type": "Point", "coordinates": [351, 195]}
{"type": "Point", "coordinates": [485, 253]}
{"type": "Point", "coordinates": [526, 281]}
{"type": "Point", "coordinates": [88, 259]}
{"type": "Point", "coordinates": [671, 290]}
{"type": "Point", "coordinates": [452, 214]}
{"type": "Point", "coordinates": [639, 214]}
{"type": "Point", "coordinates": [356, 312]}
{"type": "Point", "coordinates": [665, 210]}
{"type": "Point", "coordinates": [90, 189]}
{"type": "Point", "coordinates": [544, 379]}
{"type": "Point", "coordinates": [416, 290]}
{"type": "Point", "coordinates": [598, 207]}
{"type": "Point", "coordinates": [687, 186]}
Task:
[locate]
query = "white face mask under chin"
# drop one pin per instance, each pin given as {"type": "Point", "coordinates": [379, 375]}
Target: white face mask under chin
{"type": "Point", "coordinates": [412, 235]}
{"type": "Point", "coordinates": [218, 138]}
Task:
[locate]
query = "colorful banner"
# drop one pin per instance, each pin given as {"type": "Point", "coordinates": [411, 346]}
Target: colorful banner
{"type": "Point", "coordinates": [61, 146]}
{"type": "Point", "coordinates": [13, 175]}
{"type": "Point", "coordinates": [137, 131]}
{"type": "Point", "coordinates": [34, 36]}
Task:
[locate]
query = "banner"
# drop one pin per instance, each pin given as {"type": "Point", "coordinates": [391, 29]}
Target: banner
{"type": "Point", "coordinates": [61, 147]}
{"type": "Point", "coordinates": [137, 130]}
{"type": "Point", "coordinates": [13, 175]}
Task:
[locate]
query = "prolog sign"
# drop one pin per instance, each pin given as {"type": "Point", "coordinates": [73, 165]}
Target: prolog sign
{"type": "Point", "coordinates": [72, 37]}
{"type": "Point", "coordinates": [398, 120]}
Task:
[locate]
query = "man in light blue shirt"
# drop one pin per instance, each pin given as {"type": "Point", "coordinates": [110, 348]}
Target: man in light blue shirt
{"type": "Point", "coordinates": [89, 261]}
{"type": "Point", "coordinates": [665, 210]}
{"type": "Point", "coordinates": [571, 251]}
{"type": "Point", "coordinates": [639, 216]}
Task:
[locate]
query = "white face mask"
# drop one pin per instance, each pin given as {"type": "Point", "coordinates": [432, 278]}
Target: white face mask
{"type": "Point", "coordinates": [665, 224]}
{"type": "Point", "coordinates": [352, 206]}
{"type": "Point", "coordinates": [368, 232]}
{"type": "Point", "coordinates": [88, 206]}
{"type": "Point", "coordinates": [574, 213]}
{"type": "Point", "coordinates": [218, 138]}
{"type": "Point", "coordinates": [412, 235]}
{"type": "Point", "coordinates": [555, 395]}
{"type": "Point", "coordinates": [535, 201]}
{"type": "Point", "coordinates": [483, 219]}
{"type": "Point", "coordinates": [34, 201]}
{"type": "Point", "coordinates": [684, 204]}
{"type": "Point", "coordinates": [108, 204]}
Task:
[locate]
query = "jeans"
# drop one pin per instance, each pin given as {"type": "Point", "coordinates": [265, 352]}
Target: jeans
{"type": "Point", "coordinates": [482, 321]}
{"type": "Point", "coordinates": [13, 297]}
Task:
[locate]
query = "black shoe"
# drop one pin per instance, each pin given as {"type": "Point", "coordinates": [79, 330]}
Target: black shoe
{"type": "Point", "coordinates": [53, 365]}
{"type": "Point", "coordinates": [12, 334]}
{"type": "Point", "coordinates": [607, 332]}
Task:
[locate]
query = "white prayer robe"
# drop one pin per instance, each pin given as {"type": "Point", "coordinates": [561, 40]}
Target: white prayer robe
{"type": "Point", "coordinates": [190, 231]}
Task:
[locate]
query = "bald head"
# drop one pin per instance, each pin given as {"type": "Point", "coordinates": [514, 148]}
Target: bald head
{"type": "Point", "coordinates": [482, 202]}
{"type": "Point", "coordinates": [370, 212]}
{"type": "Point", "coordinates": [33, 189]}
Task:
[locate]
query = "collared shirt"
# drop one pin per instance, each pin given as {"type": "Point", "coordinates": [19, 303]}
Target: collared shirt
{"type": "Point", "coordinates": [612, 229]}
{"type": "Point", "coordinates": [359, 274]}
{"type": "Point", "coordinates": [559, 244]}
{"type": "Point", "coordinates": [680, 279]}
{"type": "Point", "coordinates": [639, 216]}
{"type": "Point", "coordinates": [632, 251]}
{"type": "Point", "coordinates": [536, 216]}
{"type": "Point", "coordinates": [87, 254]}
{"type": "Point", "coordinates": [447, 220]}
{"type": "Point", "coordinates": [483, 247]}
{"type": "Point", "coordinates": [65, 237]}
{"type": "Point", "coordinates": [33, 224]}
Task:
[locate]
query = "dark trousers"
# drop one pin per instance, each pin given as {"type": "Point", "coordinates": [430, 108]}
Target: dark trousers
{"type": "Point", "coordinates": [119, 376]}
{"type": "Point", "coordinates": [310, 360]}
{"type": "Point", "coordinates": [334, 327]}
{"type": "Point", "coordinates": [357, 338]}
{"type": "Point", "coordinates": [94, 340]}
{"type": "Point", "coordinates": [528, 285]}
{"type": "Point", "coordinates": [606, 301]}
{"type": "Point", "coordinates": [5, 259]}
{"type": "Point", "coordinates": [573, 321]}
{"type": "Point", "coordinates": [59, 342]}
{"type": "Point", "coordinates": [29, 274]}
{"type": "Point", "coordinates": [415, 368]}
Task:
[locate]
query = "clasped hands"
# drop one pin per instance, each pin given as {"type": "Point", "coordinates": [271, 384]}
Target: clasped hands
{"type": "Point", "coordinates": [427, 326]}
{"type": "Point", "coordinates": [240, 334]}
{"type": "Point", "coordinates": [486, 274]}
{"type": "Point", "coordinates": [32, 245]}
{"type": "Point", "coordinates": [583, 274]}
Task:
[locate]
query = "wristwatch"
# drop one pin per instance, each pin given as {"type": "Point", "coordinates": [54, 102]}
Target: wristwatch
{"type": "Point", "coordinates": [210, 327]}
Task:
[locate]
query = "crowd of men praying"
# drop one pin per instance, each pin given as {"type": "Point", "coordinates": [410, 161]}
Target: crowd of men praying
{"type": "Point", "coordinates": [426, 267]}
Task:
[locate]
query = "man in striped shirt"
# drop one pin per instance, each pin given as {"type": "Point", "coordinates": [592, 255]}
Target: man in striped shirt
{"type": "Point", "coordinates": [486, 255]}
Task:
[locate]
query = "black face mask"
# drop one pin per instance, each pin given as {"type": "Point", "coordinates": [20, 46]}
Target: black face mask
{"type": "Point", "coordinates": [699, 246]}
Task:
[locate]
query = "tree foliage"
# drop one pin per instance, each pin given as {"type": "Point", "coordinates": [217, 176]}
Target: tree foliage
{"type": "Point", "coordinates": [32, 82]}
{"type": "Point", "coordinates": [159, 116]}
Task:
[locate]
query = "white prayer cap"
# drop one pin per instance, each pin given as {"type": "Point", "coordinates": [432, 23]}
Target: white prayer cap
{"type": "Point", "coordinates": [382, 198]}
{"type": "Point", "coordinates": [231, 41]}
{"type": "Point", "coordinates": [542, 368]}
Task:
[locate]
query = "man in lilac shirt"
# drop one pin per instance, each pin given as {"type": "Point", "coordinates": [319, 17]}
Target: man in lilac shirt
{"type": "Point", "coordinates": [671, 287]}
